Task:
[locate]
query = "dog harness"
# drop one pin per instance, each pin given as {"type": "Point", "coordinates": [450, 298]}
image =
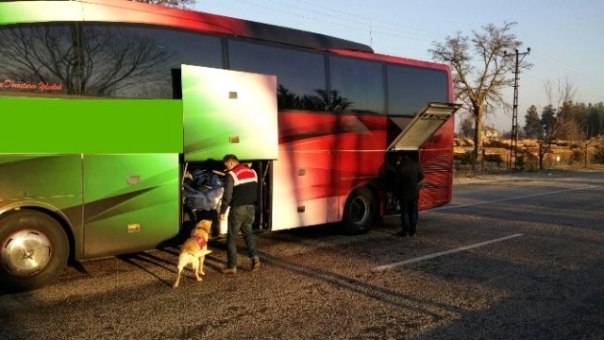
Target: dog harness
{"type": "Point", "coordinates": [201, 241]}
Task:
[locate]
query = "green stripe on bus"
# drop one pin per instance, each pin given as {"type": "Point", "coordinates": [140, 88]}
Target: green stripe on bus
{"type": "Point", "coordinates": [50, 125]}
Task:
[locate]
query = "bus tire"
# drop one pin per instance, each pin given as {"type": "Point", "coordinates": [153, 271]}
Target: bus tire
{"type": "Point", "coordinates": [360, 211]}
{"type": "Point", "coordinates": [33, 250]}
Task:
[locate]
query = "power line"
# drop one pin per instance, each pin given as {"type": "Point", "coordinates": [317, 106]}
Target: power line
{"type": "Point", "coordinates": [321, 13]}
{"type": "Point", "coordinates": [369, 26]}
{"type": "Point", "coordinates": [421, 31]}
{"type": "Point", "coordinates": [352, 17]}
{"type": "Point", "coordinates": [297, 14]}
{"type": "Point", "coordinates": [565, 68]}
{"type": "Point", "coordinates": [575, 68]}
{"type": "Point", "coordinates": [423, 35]}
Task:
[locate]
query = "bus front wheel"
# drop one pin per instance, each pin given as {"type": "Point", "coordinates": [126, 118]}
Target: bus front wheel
{"type": "Point", "coordinates": [360, 211]}
{"type": "Point", "coordinates": [33, 250]}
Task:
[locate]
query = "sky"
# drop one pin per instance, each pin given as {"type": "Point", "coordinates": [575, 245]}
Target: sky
{"type": "Point", "coordinates": [566, 38]}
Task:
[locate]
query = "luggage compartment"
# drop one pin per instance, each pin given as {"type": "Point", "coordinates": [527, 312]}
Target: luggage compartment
{"type": "Point", "coordinates": [225, 112]}
{"type": "Point", "coordinates": [203, 188]}
{"type": "Point", "coordinates": [391, 158]}
{"type": "Point", "coordinates": [414, 136]}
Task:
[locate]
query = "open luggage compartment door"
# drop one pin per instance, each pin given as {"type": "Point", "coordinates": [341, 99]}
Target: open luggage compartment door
{"type": "Point", "coordinates": [423, 126]}
{"type": "Point", "coordinates": [228, 112]}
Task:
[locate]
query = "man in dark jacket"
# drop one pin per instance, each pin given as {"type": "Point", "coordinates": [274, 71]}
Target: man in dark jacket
{"type": "Point", "coordinates": [240, 194]}
{"type": "Point", "coordinates": [408, 177]}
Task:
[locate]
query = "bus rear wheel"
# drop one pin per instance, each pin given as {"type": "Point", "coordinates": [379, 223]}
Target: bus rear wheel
{"type": "Point", "coordinates": [360, 211]}
{"type": "Point", "coordinates": [33, 250]}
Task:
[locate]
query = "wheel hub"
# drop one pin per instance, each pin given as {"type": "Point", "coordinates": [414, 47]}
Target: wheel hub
{"type": "Point", "coordinates": [25, 252]}
{"type": "Point", "coordinates": [359, 210]}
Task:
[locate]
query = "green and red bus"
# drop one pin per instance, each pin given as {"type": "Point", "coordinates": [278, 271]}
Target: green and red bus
{"type": "Point", "coordinates": [106, 105]}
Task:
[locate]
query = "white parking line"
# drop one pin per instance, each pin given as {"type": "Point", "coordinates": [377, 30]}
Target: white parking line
{"type": "Point", "coordinates": [512, 198]}
{"type": "Point", "coordinates": [431, 256]}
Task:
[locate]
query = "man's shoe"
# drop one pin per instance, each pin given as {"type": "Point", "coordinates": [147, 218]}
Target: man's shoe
{"type": "Point", "coordinates": [401, 234]}
{"type": "Point", "coordinates": [229, 271]}
{"type": "Point", "coordinates": [255, 265]}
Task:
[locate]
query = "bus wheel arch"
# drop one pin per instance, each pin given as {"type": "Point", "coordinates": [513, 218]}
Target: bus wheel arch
{"type": "Point", "coordinates": [361, 210]}
{"type": "Point", "coordinates": [34, 249]}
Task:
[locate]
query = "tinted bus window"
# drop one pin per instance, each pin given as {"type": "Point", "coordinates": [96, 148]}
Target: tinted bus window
{"type": "Point", "coordinates": [357, 85]}
{"type": "Point", "coordinates": [300, 74]}
{"type": "Point", "coordinates": [99, 60]}
{"type": "Point", "coordinates": [410, 88]}
{"type": "Point", "coordinates": [136, 61]}
{"type": "Point", "coordinates": [37, 59]}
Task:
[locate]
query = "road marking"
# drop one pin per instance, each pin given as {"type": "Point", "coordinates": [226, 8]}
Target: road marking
{"type": "Point", "coordinates": [512, 198]}
{"type": "Point", "coordinates": [431, 256]}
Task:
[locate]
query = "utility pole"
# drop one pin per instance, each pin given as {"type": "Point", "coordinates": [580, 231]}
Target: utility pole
{"type": "Point", "coordinates": [514, 134]}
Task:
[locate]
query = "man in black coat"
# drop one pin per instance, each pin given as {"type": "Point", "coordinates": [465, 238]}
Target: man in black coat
{"type": "Point", "coordinates": [408, 178]}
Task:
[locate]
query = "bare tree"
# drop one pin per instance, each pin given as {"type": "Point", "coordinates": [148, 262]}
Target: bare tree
{"type": "Point", "coordinates": [562, 102]}
{"type": "Point", "coordinates": [479, 82]}
{"type": "Point", "coordinates": [114, 59]}
{"type": "Point", "coordinates": [563, 93]}
{"type": "Point", "coordinates": [556, 118]}
{"type": "Point", "coordinates": [90, 61]}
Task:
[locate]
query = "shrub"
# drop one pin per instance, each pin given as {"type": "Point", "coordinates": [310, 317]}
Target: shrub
{"type": "Point", "coordinates": [467, 158]}
{"type": "Point", "coordinates": [494, 159]}
{"type": "Point", "coordinates": [496, 144]}
{"type": "Point", "coordinates": [598, 156]}
{"type": "Point", "coordinates": [519, 162]}
{"type": "Point", "coordinates": [576, 157]}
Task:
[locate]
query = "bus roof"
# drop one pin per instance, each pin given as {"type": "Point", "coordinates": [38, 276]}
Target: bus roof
{"type": "Point", "coordinates": [142, 13]}
{"type": "Point", "coordinates": [122, 11]}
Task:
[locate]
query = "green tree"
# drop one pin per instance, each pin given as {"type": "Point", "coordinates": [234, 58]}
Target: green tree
{"type": "Point", "coordinates": [556, 125]}
{"type": "Point", "coordinates": [480, 69]}
{"type": "Point", "coordinates": [532, 126]}
{"type": "Point", "coordinates": [566, 119]}
{"type": "Point", "coordinates": [566, 123]}
{"type": "Point", "coordinates": [466, 126]}
{"type": "Point", "coordinates": [548, 120]}
{"type": "Point", "coordinates": [595, 119]}
{"type": "Point", "coordinates": [549, 124]}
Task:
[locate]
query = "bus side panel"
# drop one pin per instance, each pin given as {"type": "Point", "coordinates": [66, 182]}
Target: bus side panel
{"type": "Point", "coordinates": [131, 202]}
{"type": "Point", "coordinates": [436, 160]}
{"type": "Point", "coordinates": [301, 182]}
{"type": "Point", "coordinates": [322, 158]}
{"type": "Point", "coordinates": [52, 182]}
{"type": "Point", "coordinates": [358, 150]}
{"type": "Point", "coordinates": [436, 190]}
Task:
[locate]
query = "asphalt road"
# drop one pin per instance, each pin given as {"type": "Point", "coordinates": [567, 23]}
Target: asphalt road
{"type": "Point", "coordinates": [513, 257]}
